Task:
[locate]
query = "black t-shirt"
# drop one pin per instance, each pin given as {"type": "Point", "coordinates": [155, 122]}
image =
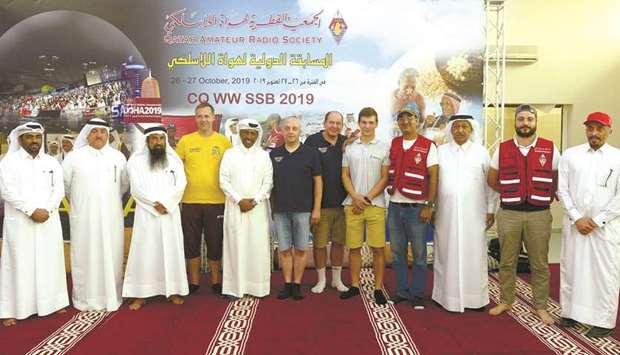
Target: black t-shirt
{"type": "Point", "coordinates": [293, 178]}
{"type": "Point", "coordinates": [331, 166]}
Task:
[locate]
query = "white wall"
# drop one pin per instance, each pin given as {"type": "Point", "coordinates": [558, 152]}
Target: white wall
{"type": "Point", "coordinates": [578, 59]}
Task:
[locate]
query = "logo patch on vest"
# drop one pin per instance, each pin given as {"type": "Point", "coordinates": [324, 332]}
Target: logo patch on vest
{"type": "Point", "coordinates": [542, 160]}
{"type": "Point", "coordinates": [418, 158]}
{"type": "Point", "coordinates": [278, 159]}
{"type": "Point", "coordinates": [322, 149]}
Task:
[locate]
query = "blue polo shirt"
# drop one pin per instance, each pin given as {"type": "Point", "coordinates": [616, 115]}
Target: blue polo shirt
{"type": "Point", "coordinates": [293, 178]}
{"type": "Point", "coordinates": [331, 166]}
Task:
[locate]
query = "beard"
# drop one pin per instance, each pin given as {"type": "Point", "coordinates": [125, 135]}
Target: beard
{"type": "Point", "coordinates": [531, 132]}
{"type": "Point", "coordinates": [158, 158]}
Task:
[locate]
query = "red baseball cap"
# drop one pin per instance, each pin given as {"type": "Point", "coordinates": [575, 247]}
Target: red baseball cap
{"type": "Point", "coordinates": [600, 117]}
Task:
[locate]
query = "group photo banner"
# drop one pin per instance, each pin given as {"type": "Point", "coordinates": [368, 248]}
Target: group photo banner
{"type": "Point", "coordinates": [154, 61]}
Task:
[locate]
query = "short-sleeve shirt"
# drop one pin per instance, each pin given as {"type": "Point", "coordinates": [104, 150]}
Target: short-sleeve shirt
{"type": "Point", "coordinates": [201, 157]}
{"type": "Point", "coordinates": [293, 178]}
{"type": "Point", "coordinates": [431, 159]}
{"type": "Point", "coordinates": [331, 167]}
{"type": "Point", "coordinates": [365, 162]}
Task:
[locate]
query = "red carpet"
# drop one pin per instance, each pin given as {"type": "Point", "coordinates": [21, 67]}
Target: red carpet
{"type": "Point", "coordinates": [28, 333]}
{"type": "Point", "coordinates": [319, 324]}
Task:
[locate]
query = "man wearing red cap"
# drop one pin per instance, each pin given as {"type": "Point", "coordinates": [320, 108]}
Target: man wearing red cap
{"type": "Point", "coordinates": [524, 171]}
{"type": "Point", "coordinates": [589, 183]}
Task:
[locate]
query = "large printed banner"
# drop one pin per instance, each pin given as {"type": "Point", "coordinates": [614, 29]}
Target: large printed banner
{"type": "Point", "coordinates": [154, 61]}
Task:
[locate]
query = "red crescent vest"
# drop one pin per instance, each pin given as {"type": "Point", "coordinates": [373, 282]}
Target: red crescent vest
{"type": "Point", "coordinates": [526, 178]}
{"type": "Point", "coordinates": [408, 173]}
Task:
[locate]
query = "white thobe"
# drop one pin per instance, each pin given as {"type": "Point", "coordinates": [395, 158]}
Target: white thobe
{"type": "Point", "coordinates": [95, 181]}
{"type": "Point", "coordinates": [460, 247]}
{"type": "Point", "coordinates": [32, 267]}
{"type": "Point", "coordinates": [588, 186]}
{"type": "Point", "coordinates": [246, 174]}
{"type": "Point", "coordinates": [156, 262]}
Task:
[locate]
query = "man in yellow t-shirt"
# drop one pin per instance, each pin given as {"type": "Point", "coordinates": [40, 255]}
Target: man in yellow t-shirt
{"type": "Point", "coordinates": [203, 201]}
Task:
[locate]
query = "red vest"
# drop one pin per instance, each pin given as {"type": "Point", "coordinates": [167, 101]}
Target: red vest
{"type": "Point", "coordinates": [408, 173]}
{"type": "Point", "coordinates": [526, 178]}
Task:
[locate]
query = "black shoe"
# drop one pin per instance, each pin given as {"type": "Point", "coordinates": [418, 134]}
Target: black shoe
{"type": "Point", "coordinates": [193, 288]}
{"type": "Point", "coordinates": [566, 322]}
{"type": "Point", "coordinates": [380, 297]}
{"type": "Point", "coordinates": [599, 332]}
{"type": "Point", "coordinates": [396, 299]}
{"type": "Point", "coordinates": [285, 292]}
{"type": "Point", "coordinates": [417, 303]}
{"type": "Point", "coordinates": [217, 289]}
{"type": "Point", "coordinates": [296, 292]}
{"type": "Point", "coordinates": [353, 291]}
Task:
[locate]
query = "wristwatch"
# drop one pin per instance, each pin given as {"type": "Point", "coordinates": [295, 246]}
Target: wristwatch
{"type": "Point", "coordinates": [367, 199]}
{"type": "Point", "coordinates": [430, 204]}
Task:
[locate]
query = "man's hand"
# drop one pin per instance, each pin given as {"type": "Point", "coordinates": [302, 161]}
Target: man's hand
{"type": "Point", "coordinates": [160, 208]}
{"type": "Point", "coordinates": [40, 215]}
{"type": "Point", "coordinates": [247, 204]}
{"type": "Point", "coordinates": [315, 217]}
{"type": "Point", "coordinates": [585, 225]}
{"type": "Point", "coordinates": [356, 210]}
{"type": "Point", "coordinates": [490, 220]}
{"type": "Point", "coordinates": [426, 214]}
{"type": "Point", "coordinates": [359, 201]}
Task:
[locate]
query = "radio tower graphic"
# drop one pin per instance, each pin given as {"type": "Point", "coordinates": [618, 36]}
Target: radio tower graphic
{"type": "Point", "coordinates": [338, 27]}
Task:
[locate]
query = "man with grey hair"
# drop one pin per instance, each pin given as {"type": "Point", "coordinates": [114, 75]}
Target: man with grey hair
{"type": "Point", "coordinates": [297, 192]}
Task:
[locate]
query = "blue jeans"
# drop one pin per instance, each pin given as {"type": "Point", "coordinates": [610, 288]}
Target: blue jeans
{"type": "Point", "coordinates": [292, 229]}
{"type": "Point", "coordinates": [406, 227]}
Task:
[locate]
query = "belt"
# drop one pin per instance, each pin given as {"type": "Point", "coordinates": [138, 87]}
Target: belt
{"type": "Point", "coordinates": [408, 205]}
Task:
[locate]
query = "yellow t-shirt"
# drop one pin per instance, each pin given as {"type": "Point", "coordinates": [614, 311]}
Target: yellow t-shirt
{"type": "Point", "coordinates": [201, 157]}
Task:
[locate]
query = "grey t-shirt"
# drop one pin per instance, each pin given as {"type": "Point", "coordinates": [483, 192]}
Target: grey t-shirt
{"type": "Point", "coordinates": [365, 161]}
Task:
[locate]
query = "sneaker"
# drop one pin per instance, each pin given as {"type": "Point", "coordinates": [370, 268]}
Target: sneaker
{"type": "Point", "coordinates": [216, 289]}
{"type": "Point", "coordinates": [599, 332]}
{"type": "Point", "coordinates": [380, 297]}
{"type": "Point", "coordinates": [285, 292]}
{"type": "Point", "coordinates": [193, 288]}
{"type": "Point", "coordinates": [296, 292]}
{"type": "Point", "coordinates": [353, 291]}
{"type": "Point", "coordinates": [417, 303]}
{"type": "Point", "coordinates": [566, 322]}
{"type": "Point", "coordinates": [396, 299]}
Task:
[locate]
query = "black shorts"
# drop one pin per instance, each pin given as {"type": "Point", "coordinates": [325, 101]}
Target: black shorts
{"type": "Point", "coordinates": [198, 219]}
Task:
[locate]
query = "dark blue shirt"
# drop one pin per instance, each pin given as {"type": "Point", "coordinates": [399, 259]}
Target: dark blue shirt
{"type": "Point", "coordinates": [293, 178]}
{"type": "Point", "coordinates": [331, 166]}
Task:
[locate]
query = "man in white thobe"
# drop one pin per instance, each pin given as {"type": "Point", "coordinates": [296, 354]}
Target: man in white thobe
{"type": "Point", "coordinates": [231, 131]}
{"type": "Point", "coordinates": [465, 210]}
{"type": "Point", "coordinates": [66, 145]}
{"type": "Point", "coordinates": [589, 189]}
{"type": "Point", "coordinates": [156, 262]}
{"type": "Point", "coordinates": [246, 177]}
{"type": "Point", "coordinates": [32, 267]}
{"type": "Point", "coordinates": [95, 180]}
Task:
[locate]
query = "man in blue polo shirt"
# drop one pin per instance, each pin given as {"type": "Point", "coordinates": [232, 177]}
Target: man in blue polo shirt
{"type": "Point", "coordinates": [297, 191]}
{"type": "Point", "coordinates": [328, 143]}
